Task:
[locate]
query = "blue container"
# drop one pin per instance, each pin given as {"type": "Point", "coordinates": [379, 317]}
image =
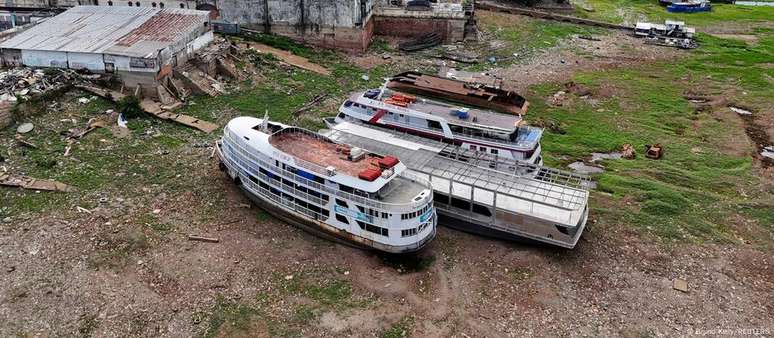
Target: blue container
{"type": "Point", "coordinates": [462, 115]}
{"type": "Point", "coordinates": [689, 7]}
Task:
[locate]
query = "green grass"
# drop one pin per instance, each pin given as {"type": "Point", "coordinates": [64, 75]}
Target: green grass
{"type": "Point", "coordinates": [689, 194]}
{"type": "Point", "coordinates": [238, 317]}
{"type": "Point", "coordinates": [524, 36]}
{"type": "Point", "coordinates": [631, 11]}
{"type": "Point", "coordinates": [399, 329]}
{"type": "Point", "coordinates": [285, 89]}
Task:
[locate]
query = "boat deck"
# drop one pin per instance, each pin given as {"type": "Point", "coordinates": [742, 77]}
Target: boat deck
{"type": "Point", "coordinates": [510, 186]}
{"type": "Point", "coordinates": [400, 190]}
{"type": "Point", "coordinates": [444, 110]}
{"type": "Point", "coordinates": [320, 152]}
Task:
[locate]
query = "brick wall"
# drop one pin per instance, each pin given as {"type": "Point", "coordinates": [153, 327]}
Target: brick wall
{"type": "Point", "coordinates": [451, 29]}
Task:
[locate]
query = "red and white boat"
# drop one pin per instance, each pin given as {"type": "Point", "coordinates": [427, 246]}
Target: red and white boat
{"type": "Point", "coordinates": [503, 135]}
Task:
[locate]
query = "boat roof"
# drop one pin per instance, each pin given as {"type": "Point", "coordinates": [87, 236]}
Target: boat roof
{"type": "Point", "coordinates": [320, 151]}
{"type": "Point", "coordinates": [485, 119]}
{"type": "Point", "coordinates": [311, 152]}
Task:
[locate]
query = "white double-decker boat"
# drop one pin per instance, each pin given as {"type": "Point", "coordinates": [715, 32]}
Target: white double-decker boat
{"type": "Point", "coordinates": [501, 135]}
{"type": "Point", "coordinates": [331, 189]}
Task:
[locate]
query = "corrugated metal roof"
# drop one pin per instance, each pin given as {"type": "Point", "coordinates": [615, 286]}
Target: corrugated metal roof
{"type": "Point", "coordinates": [118, 30]}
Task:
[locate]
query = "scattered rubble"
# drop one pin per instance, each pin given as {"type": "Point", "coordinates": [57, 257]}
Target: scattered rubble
{"type": "Point", "coordinates": [706, 102]}
{"type": "Point", "coordinates": [483, 78]}
{"type": "Point", "coordinates": [654, 152]}
{"type": "Point", "coordinates": [680, 285]}
{"type": "Point", "coordinates": [25, 128]}
{"type": "Point", "coordinates": [24, 83]}
{"type": "Point", "coordinates": [671, 34]}
{"type": "Point", "coordinates": [26, 182]}
{"type": "Point", "coordinates": [628, 152]}
{"type": "Point", "coordinates": [154, 108]}
{"type": "Point", "coordinates": [740, 111]}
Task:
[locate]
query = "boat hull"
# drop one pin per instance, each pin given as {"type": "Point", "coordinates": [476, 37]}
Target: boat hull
{"type": "Point", "coordinates": [453, 221]}
{"type": "Point", "coordinates": [316, 227]}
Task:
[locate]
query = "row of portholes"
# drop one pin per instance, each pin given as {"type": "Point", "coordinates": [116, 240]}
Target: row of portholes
{"type": "Point", "coordinates": [137, 3]}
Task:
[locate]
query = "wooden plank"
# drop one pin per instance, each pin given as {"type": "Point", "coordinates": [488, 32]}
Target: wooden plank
{"type": "Point", "coordinates": [31, 183]}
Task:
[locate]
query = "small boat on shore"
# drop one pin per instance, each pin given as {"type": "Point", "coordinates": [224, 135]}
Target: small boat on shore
{"type": "Point", "coordinates": [331, 189]}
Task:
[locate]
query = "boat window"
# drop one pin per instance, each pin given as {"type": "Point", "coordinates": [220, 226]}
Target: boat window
{"type": "Point", "coordinates": [434, 124]}
{"type": "Point", "coordinates": [482, 149]}
{"type": "Point", "coordinates": [373, 228]}
{"type": "Point", "coordinates": [495, 151]}
{"type": "Point", "coordinates": [341, 203]}
{"type": "Point", "coordinates": [348, 104]}
{"type": "Point", "coordinates": [342, 219]}
{"type": "Point", "coordinates": [408, 232]}
{"type": "Point", "coordinates": [341, 115]}
{"type": "Point", "coordinates": [472, 147]}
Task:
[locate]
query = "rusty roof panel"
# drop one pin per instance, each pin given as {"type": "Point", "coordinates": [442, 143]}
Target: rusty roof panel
{"type": "Point", "coordinates": [118, 30]}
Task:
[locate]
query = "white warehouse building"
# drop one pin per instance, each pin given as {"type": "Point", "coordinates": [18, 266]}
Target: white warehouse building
{"type": "Point", "coordinates": [140, 44]}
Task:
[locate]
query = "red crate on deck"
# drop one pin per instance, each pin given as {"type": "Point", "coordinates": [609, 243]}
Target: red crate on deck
{"type": "Point", "coordinates": [370, 174]}
{"type": "Point", "coordinates": [388, 162]}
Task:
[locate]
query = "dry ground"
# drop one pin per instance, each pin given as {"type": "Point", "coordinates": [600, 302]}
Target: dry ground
{"type": "Point", "coordinates": [127, 268]}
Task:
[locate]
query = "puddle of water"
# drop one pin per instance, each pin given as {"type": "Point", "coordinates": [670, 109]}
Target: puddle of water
{"type": "Point", "coordinates": [740, 111]}
{"type": "Point", "coordinates": [582, 168]}
{"type": "Point", "coordinates": [755, 3]}
{"type": "Point", "coordinates": [595, 157]}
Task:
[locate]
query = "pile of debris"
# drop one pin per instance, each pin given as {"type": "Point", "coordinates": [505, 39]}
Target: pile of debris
{"type": "Point", "coordinates": [22, 84]}
{"type": "Point", "coordinates": [25, 82]}
{"type": "Point", "coordinates": [671, 34]}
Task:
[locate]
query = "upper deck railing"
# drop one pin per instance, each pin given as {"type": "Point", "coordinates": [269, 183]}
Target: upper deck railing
{"type": "Point", "coordinates": [245, 151]}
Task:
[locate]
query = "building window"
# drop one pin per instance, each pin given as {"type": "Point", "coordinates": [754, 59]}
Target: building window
{"type": "Point", "coordinates": [137, 3]}
{"type": "Point", "coordinates": [161, 4]}
{"type": "Point", "coordinates": [153, 4]}
{"type": "Point", "coordinates": [495, 151]}
{"type": "Point", "coordinates": [130, 4]}
{"type": "Point", "coordinates": [182, 6]}
{"type": "Point", "coordinates": [110, 3]}
{"type": "Point", "coordinates": [472, 147]}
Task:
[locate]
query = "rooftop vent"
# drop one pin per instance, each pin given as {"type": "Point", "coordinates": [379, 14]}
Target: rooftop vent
{"type": "Point", "coordinates": [330, 170]}
{"type": "Point", "coordinates": [356, 154]}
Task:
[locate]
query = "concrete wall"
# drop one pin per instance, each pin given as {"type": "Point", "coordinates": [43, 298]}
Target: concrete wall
{"type": "Point", "coordinates": [90, 61]}
{"type": "Point", "coordinates": [341, 24]}
{"type": "Point", "coordinates": [35, 58]}
{"type": "Point", "coordinates": [309, 13]}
